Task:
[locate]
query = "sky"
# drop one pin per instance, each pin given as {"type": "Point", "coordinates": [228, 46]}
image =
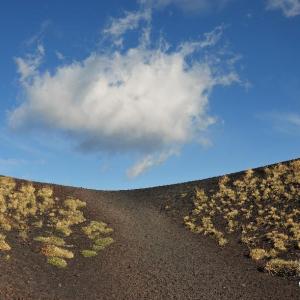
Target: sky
{"type": "Point", "coordinates": [130, 94]}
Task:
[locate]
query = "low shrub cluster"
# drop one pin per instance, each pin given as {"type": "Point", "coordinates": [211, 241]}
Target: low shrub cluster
{"type": "Point", "coordinates": [263, 208]}
{"type": "Point", "coordinates": [37, 216]}
{"type": "Point", "coordinates": [95, 231]}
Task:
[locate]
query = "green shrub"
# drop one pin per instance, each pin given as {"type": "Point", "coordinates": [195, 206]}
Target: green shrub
{"type": "Point", "coordinates": [262, 208]}
{"type": "Point", "coordinates": [57, 262]}
{"type": "Point", "coordinates": [35, 214]}
{"type": "Point", "coordinates": [88, 253]}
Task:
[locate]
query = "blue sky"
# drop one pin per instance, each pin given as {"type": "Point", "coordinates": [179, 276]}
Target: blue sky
{"type": "Point", "coordinates": [130, 94]}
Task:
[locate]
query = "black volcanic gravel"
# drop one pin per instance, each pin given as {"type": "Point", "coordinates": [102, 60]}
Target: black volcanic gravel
{"type": "Point", "coordinates": [153, 257]}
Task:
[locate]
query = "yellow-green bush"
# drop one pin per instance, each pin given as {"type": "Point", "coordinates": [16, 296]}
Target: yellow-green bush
{"type": "Point", "coordinates": [102, 243]}
{"type": "Point", "coordinates": [283, 267]}
{"type": "Point", "coordinates": [52, 240]}
{"type": "Point", "coordinates": [89, 253]}
{"type": "Point", "coordinates": [35, 214]}
{"type": "Point", "coordinates": [54, 251]}
{"type": "Point", "coordinates": [4, 246]}
{"type": "Point", "coordinates": [95, 231]}
{"type": "Point", "coordinates": [258, 206]}
{"type": "Point", "coordinates": [258, 254]}
{"type": "Point", "coordinates": [57, 262]}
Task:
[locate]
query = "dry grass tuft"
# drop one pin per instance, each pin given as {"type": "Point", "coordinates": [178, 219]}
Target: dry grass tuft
{"type": "Point", "coordinates": [54, 240]}
{"type": "Point", "coordinates": [4, 246]}
{"type": "Point", "coordinates": [34, 214]}
{"type": "Point", "coordinates": [283, 267]}
{"type": "Point", "coordinates": [258, 254]}
{"type": "Point", "coordinates": [54, 251]}
{"type": "Point", "coordinates": [262, 208]}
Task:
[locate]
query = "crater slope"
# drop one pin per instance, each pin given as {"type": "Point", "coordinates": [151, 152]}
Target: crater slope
{"type": "Point", "coordinates": [147, 243]}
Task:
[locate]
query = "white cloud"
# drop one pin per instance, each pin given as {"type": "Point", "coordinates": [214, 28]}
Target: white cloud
{"type": "Point", "coordinates": [283, 122]}
{"type": "Point", "coordinates": [149, 100]}
{"type": "Point", "coordinates": [290, 8]}
{"type": "Point", "coordinates": [38, 37]}
{"type": "Point", "coordinates": [28, 66]}
{"type": "Point", "coordinates": [59, 55]}
{"type": "Point", "coordinates": [193, 6]}
{"type": "Point", "coordinates": [150, 161]}
{"type": "Point", "coordinates": [11, 162]}
{"type": "Point", "coordinates": [119, 26]}
{"type": "Point", "coordinates": [293, 119]}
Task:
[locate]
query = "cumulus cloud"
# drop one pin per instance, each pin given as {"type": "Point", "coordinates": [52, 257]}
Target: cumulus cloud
{"type": "Point", "coordinates": [290, 8]}
{"type": "Point", "coordinates": [38, 37]}
{"type": "Point", "coordinates": [28, 66]}
{"type": "Point", "coordinates": [59, 55]}
{"type": "Point", "coordinates": [147, 100]}
{"type": "Point", "coordinates": [187, 5]}
{"type": "Point", "coordinates": [150, 161]}
{"type": "Point", "coordinates": [117, 27]}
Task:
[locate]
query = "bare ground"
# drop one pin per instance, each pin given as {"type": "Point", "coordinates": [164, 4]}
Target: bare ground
{"type": "Point", "coordinates": [153, 257]}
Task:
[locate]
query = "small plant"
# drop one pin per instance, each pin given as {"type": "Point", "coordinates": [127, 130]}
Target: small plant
{"type": "Point", "coordinates": [262, 208]}
{"type": "Point", "coordinates": [258, 254]}
{"type": "Point", "coordinates": [34, 214]}
{"type": "Point", "coordinates": [89, 253]}
{"type": "Point", "coordinates": [54, 240]}
{"type": "Point", "coordinates": [283, 267]}
{"type": "Point", "coordinates": [4, 246]}
{"type": "Point", "coordinates": [95, 229]}
{"type": "Point", "coordinates": [52, 250]}
{"type": "Point", "coordinates": [102, 243]}
{"type": "Point", "coordinates": [57, 262]}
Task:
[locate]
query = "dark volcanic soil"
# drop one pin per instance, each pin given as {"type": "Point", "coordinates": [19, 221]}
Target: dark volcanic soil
{"type": "Point", "coordinates": [153, 257]}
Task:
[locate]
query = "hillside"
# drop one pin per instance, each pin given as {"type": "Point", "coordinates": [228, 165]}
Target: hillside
{"type": "Point", "coordinates": [229, 237]}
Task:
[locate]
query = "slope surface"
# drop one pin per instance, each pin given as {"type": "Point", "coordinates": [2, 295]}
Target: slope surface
{"type": "Point", "coordinates": [153, 257]}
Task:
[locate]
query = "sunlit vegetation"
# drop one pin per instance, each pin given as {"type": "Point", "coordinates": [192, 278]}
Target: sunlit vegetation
{"type": "Point", "coordinates": [57, 262]}
{"type": "Point", "coordinates": [101, 243]}
{"type": "Point", "coordinates": [54, 251]}
{"type": "Point", "coordinates": [52, 240]}
{"type": "Point", "coordinates": [36, 216]}
{"type": "Point", "coordinates": [283, 267]}
{"type": "Point", "coordinates": [4, 246]}
{"type": "Point", "coordinates": [89, 253]}
{"type": "Point", "coordinates": [262, 208]}
{"type": "Point", "coordinates": [95, 231]}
